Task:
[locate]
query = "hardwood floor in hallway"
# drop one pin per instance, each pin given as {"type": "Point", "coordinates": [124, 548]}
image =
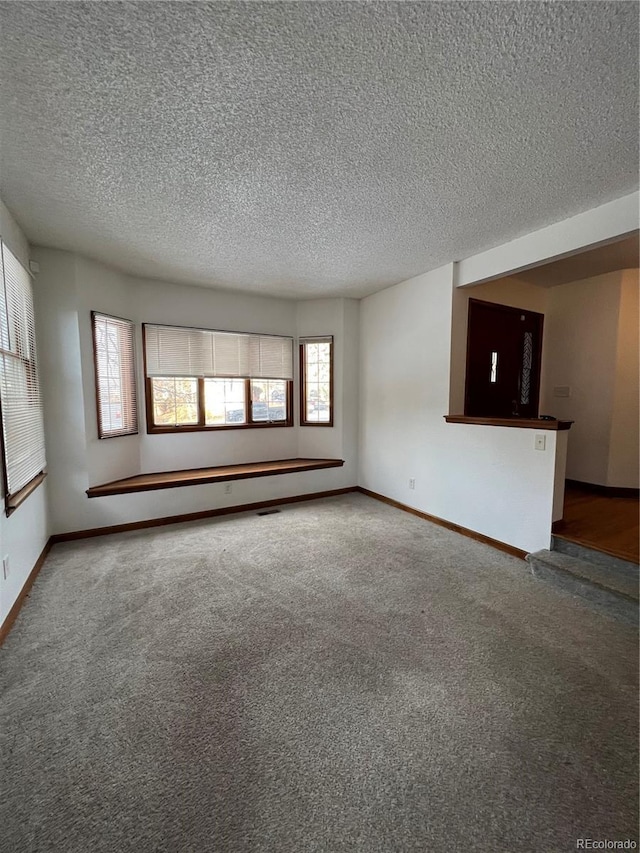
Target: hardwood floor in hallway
{"type": "Point", "coordinates": [609, 524]}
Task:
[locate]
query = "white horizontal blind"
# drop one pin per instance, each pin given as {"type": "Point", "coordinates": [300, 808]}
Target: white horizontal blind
{"type": "Point", "coordinates": [22, 420]}
{"type": "Point", "coordinates": [176, 351]}
{"type": "Point", "coordinates": [4, 320]}
{"type": "Point", "coordinates": [113, 348]}
{"type": "Point", "coordinates": [319, 339]}
{"type": "Point", "coordinates": [271, 357]}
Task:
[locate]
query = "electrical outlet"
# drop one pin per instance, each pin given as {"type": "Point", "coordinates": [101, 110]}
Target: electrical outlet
{"type": "Point", "coordinates": [540, 442]}
{"type": "Point", "coordinates": [227, 488]}
{"type": "Point", "coordinates": [5, 567]}
{"type": "Point", "coordinates": [412, 483]}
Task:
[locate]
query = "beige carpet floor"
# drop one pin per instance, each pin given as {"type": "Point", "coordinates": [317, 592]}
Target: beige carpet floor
{"type": "Point", "coordinates": [340, 676]}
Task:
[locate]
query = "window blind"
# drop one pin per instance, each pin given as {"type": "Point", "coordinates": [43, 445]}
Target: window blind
{"type": "Point", "coordinates": [22, 421]}
{"type": "Point", "coordinates": [4, 320]}
{"type": "Point", "coordinates": [113, 349]}
{"type": "Point", "coordinates": [178, 351]}
{"type": "Point", "coordinates": [317, 339]}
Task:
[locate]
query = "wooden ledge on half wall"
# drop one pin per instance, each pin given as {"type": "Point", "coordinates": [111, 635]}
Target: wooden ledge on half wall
{"type": "Point", "coordinates": [219, 474]}
{"type": "Point", "coordinates": [521, 423]}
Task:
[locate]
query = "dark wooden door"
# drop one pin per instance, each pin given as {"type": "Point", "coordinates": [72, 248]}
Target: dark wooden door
{"type": "Point", "coordinates": [504, 345]}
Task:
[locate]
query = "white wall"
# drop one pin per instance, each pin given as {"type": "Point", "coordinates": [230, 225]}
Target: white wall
{"type": "Point", "coordinates": [488, 479]}
{"type": "Point", "coordinates": [350, 399]}
{"type": "Point", "coordinates": [12, 235]}
{"type": "Point", "coordinates": [594, 227]}
{"type": "Point", "coordinates": [582, 351]}
{"type": "Point", "coordinates": [340, 318]}
{"type": "Point", "coordinates": [625, 438]}
{"type": "Point", "coordinates": [158, 302]}
{"type": "Point", "coordinates": [560, 474]}
{"type": "Point", "coordinates": [25, 533]}
{"type": "Point", "coordinates": [68, 288]}
{"type": "Point", "coordinates": [61, 379]}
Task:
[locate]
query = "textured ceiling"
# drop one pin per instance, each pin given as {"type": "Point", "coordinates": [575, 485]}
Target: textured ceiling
{"type": "Point", "coordinates": [620, 255]}
{"type": "Point", "coordinates": [310, 149]}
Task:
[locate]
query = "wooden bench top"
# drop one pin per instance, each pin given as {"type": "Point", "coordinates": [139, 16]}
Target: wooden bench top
{"type": "Point", "coordinates": [519, 423]}
{"type": "Point", "coordinates": [198, 476]}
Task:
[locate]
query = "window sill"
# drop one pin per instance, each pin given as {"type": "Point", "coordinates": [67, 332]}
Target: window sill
{"type": "Point", "coordinates": [156, 430]}
{"type": "Point", "coordinates": [316, 423]}
{"type": "Point", "coordinates": [198, 476]}
{"type": "Point", "coordinates": [12, 502]}
{"type": "Point", "coordinates": [519, 423]}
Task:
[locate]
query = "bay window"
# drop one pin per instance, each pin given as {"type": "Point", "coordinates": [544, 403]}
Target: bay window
{"type": "Point", "coordinates": [201, 379]}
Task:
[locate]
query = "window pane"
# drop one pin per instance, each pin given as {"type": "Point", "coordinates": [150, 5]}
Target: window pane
{"type": "Point", "coordinates": [318, 403]}
{"type": "Point", "coordinates": [324, 353]}
{"type": "Point", "coordinates": [224, 402]}
{"type": "Point", "coordinates": [175, 401]}
{"type": "Point", "coordinates": [527, 365]}
{"type": "Point", "coordinates": [269, 400]}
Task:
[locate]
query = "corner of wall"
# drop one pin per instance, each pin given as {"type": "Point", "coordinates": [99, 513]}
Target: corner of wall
{"type": "Point", "coordinates": [13, 236]}
{"type": "Point", "coordinates": [624, 438]}
{"type": "Point", "coordinates": [351, 389]}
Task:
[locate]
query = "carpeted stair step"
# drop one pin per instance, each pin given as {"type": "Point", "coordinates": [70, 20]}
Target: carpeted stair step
{"type": "Point", "coordinates": [574, 549]}
{"type": "Point", "coordinates": [614, 590]}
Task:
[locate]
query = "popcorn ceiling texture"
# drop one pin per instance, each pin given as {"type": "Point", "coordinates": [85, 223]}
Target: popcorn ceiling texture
{"type": "Point", "coordinates": [310, 149]}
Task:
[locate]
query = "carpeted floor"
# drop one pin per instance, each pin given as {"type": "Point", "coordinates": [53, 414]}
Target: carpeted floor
{"type": "Point", "coordinates": [340, 676]}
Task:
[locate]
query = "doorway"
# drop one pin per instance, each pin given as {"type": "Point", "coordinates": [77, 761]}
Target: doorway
{"type": "Point", "coordinates": [504, 347]}
{"type": "Point", "coordinates": [602, 519]}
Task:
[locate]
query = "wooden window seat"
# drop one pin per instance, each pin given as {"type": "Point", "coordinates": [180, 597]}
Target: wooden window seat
{"type": "Point", "coordinates": [198, 476]}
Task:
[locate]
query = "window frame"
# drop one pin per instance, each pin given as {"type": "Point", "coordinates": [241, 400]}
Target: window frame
{"type": "Point", "coordinates": [303, 381]}
{"type": "Point", "coordinates": [12, 500]}
{"type": "Point", "coordinates": [133, 392]}
{"type": "Point", "coordinates": [202, 426]}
